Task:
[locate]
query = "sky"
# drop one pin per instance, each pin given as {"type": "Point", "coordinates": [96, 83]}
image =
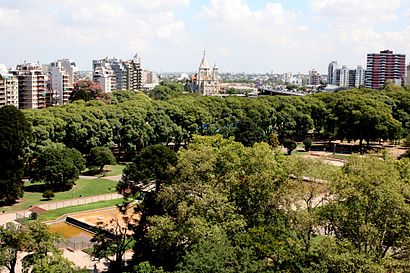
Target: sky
{"type": "Point", "coordinates": [170, 35]}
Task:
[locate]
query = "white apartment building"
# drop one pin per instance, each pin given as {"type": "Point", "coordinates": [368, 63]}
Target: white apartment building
{"type": "Point", "coordinates": [332, 73]}
{"type": "Point", "coordinates": [126, 74]}
{"type": "Point", "coordinates": [103, 75]}
{"type": "Point", "coordinates": [60, 81]}
{"type": "Point", "coordinates": [8, 88]}
{"type": "Point", "coordinates": [345, 77]}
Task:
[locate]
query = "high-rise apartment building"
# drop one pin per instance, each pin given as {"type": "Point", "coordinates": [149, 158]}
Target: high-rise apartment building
{"type": "Point", "coordinates": [126, 74]}
{"type": "Point", "coordinates": [32, 86]}
{"type": "Point", "coordinates": [332, 73]}
{"type": "Point", "coordinates": [314, 77]}
{"type": "Point", "coordinates": [385, 66]}
{"type": "Point", "coordinates": [345, 77]}
{"type": "Point", "coordinates": [103, 75]}
{"type": "Point", "coordinates": [8, 88]}
{"type": "Point", "coordinates": [408, 75]}
{"type": "Point", "coordinates": [60, 81]}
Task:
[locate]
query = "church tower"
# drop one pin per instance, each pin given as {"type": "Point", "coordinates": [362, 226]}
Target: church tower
{"type": "Point", "coordinates": [207, 82]}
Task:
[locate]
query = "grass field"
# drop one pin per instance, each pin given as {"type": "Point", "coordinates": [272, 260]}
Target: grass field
{"type": "Point", "coordinates": [83, 188]}
{"type": "Point", "coordinates": [109, 170]}
{"type": "Point", "coordinates": [54, 214]}
{"type": "Point", "coordinates": [114, 170]}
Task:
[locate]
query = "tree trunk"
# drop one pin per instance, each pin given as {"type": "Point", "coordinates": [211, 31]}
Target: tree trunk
{"type": "Point", "coordinates": [361, 146]}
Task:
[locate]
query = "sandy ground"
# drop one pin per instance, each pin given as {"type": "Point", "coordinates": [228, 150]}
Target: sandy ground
{"type": "Point", "coordinates": [109, 218]}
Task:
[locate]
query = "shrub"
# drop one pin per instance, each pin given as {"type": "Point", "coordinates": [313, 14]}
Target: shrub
{"type": "Point", "coordinates": [308, 144]}
{"type": "Point", "coordinates": [273, 140]}
{"type": "Point", "coordinates": [290, 145]}
{"type": "Point", "coordinates": [48, 194]}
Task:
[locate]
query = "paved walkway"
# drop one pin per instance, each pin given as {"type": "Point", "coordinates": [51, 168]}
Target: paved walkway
{"type": "Point", "coordinates": [10, 217]}
{"type": "Point", "coordinates": [78, 257]}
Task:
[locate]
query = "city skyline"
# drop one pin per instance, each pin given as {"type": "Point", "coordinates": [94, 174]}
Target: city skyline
{"type": "Point", "coordinates": [242, 36]}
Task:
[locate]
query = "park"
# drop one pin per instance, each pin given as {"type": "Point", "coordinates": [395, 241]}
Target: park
{"type": "Point", "coordinates": [205, 181]}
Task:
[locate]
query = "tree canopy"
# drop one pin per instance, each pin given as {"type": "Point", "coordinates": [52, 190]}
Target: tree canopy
{"type": "Point", "coordinates": [59, 167]}
{"type": "Point", "coordinates": [15, 137]}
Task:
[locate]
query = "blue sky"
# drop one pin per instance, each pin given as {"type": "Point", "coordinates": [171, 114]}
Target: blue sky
{"type": "Point", "coordinates": [170, 35]}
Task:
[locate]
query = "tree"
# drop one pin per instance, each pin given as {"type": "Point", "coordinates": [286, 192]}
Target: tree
{"type": "Point", "coordinates": [15, 136]}
{"type": "Point", "coordinates": [273, 140]}
{"type": "Point", "coordinates": [48, 194]}
{"type": "Point", "coordinates": [114, 239]}
{"type": "Point", "coordinates": [36, 239]}
{"type": "Point", "coordinates": [308, 144]}
{"type": "Point", "coordinates": [218, 255]}
{"type": "Point", "coordinates": [99, 157]}
{"type": "Point", "coordinates": [290, 145]}
{"type": "Point", "coordinates": [248, 133]}
{"type": "Point", "coordinates": [359, 117]}
{"type": "Point", "coordinates": [13, 239]}
{"type": "Point", "coordinates": [370, 209]}
{"type": "Point", "coordinates": [160, 92]}
{"type": "Point", "coordinates": [87, 90]}
{"type": "Point", "coordinates": [218, 187]}
{"type": "Point", "coordinates": [150, 165]}
{"type": "Point", "coordinates": [58, 167]}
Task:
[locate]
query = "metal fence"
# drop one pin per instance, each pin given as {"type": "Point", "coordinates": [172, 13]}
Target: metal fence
{"type": "Point", "coordinates": [80, 201]}
{"type": "Point", "coordinates": [74, 245]}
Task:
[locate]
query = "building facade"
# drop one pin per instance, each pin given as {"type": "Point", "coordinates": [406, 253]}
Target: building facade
{"type": "Point", "coordinates": [125, 74]}
{"type": "Point", "coordinates": [206, 81]}
{"type": "Point", "coordinates": [345, 77]}
{"type": "Point", "coordinates": [61, 76]}
{"type": "Point", "coordinates": [332, 73]}
{"type": "Point", "coordinates": [385, 66]}
{"type": "Point", "coordinates": [32, 86]}
{"type": "Point", "coordinates": [103, 75]}
{"type": "Point", "coordinates": [314, 77]}
{"type": "Point", "coordinates": [8, 88]}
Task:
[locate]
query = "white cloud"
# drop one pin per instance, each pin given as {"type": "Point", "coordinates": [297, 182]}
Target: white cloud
{"type": "Point", "coordinates": [105, 27]}
{"type": "Point", "coordinates": [255, 37]}
{"type": "Point", "coordinates": [363, 25]}
{"type": "Point", "coordinates": [363, 11]}
{"type": "Point", "coordinates": [161, 4]}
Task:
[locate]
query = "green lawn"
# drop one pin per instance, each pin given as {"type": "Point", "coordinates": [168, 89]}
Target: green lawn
{"type": "Point", "coordinates": [54, 214]}
{"type": "Point", "coordinates": [114, 170]}
{"type": "Point", "coordinates": [83, 188]}
{"type": "Point", "coordinates": [109, 170]}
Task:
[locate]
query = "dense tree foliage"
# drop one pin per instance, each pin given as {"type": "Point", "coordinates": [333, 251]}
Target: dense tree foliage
{"type": "Point", "coordinates": [134, 121]}
{"type": "Point", "coordinates": [39, 244]}
{"type": "Point", "coordinates": [151, 165]}
{"type": "Point", "coordinates": [87, 90]}
{"type": "Point", "coordinates": [58, 167]}
{"type": "Point", "coordinates": [99, 157]}
{"type": "Point", "coordinates": [15, 134]}
{"type": "Point", "coordinates": [230, 208]}
{"type": "Point", "coordinates": [227, 201]}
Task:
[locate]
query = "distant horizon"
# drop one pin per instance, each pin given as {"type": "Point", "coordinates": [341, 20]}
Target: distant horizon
{"type": "Point", "coordinates": [257, 36]}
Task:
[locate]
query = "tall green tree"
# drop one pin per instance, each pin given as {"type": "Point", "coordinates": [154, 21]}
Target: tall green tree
{"type": "Point", "coordinates": [370, 209]}
{"type": "Point", "coordinates": [99, 157]}
{"type": "Point", "coordinates": [35, 239]}
{"type": "Point", "coordinates": [15, 137]}
{"type": "Point", "coordinates": [150, 165]}
{"type": "Point", "coordinates": [59, 167]}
